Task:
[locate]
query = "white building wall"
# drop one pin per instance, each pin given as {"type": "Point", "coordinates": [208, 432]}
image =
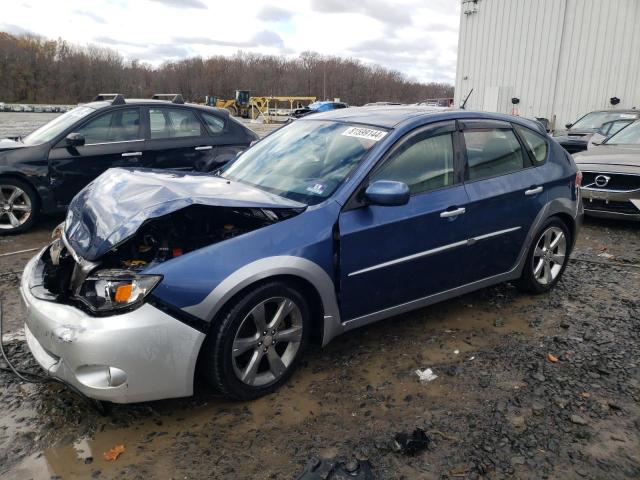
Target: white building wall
{"type": "Point", "coordinates": [561, 58]}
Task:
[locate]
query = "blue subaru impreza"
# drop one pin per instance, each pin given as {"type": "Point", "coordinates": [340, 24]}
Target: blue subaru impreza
{"type": "Point", "coordinates": [330, 223]}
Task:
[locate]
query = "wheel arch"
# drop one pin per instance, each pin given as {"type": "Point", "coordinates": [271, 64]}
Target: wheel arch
{"type": "Point", "coordinates": [302, 285]}
{"type": "Point", "coordinates": [309, 277]}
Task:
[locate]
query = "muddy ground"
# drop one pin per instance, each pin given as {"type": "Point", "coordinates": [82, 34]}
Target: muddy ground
{"type": "Point", "coordinates": [500, 408]}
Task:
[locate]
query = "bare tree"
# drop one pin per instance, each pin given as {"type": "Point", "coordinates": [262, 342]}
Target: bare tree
{"type": "Point", "coordinates": [33, 69]}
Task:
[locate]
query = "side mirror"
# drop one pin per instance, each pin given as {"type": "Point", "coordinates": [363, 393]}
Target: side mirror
{"type": "Point", "coordinates": [75, 140]}
{"type": "Point", "coordinates": [569, 125]}
{"type": "Point", "coordinates": [596, 139]}
{"type": "Point", "coordinates": [387, 193]}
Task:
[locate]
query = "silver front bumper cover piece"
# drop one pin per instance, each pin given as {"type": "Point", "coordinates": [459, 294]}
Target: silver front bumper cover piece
{"type": "Point", "coordinates": [136, 356]}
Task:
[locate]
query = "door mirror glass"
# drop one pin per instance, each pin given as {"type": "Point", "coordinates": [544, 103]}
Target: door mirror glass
{"type": "Point", "coordinates": [596, 139]}
{"type": "Point", "coordinates": [75, 140]}
{"type": "Point", "coordinates": [387, 193]}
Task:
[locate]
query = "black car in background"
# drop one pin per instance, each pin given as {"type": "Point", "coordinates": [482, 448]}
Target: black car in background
{"type": "Point", "coordinates": [604, 122]}
{"type": "Point", "coordinates": [43, 171]}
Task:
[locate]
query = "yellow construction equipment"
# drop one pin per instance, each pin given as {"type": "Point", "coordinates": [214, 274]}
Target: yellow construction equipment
{"type": "Point", "coordinates": [268, 108]}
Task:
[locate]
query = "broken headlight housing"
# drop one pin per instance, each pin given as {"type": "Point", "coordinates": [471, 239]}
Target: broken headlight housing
{"type": "Point", "coordinates": [109, 290]}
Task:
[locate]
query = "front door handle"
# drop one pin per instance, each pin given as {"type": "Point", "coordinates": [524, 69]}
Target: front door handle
{"type": "Point", "coordinates": [453, 213]}
{"type": "Point", "coordinates": [132, 154]}
{"type": "Point", "coordinates": [204, 147]}
{"type": "Point", "coordinates": [533, 191]}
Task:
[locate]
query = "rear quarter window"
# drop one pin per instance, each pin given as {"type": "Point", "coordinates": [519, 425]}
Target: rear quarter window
{"type": "Point", "coordinates": [536, 143]}
{"type": "Point", "coordinates": [213, 123]}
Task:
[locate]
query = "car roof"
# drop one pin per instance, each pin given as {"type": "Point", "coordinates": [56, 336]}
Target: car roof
{"type": "Point", "coordinates": [390, 116]}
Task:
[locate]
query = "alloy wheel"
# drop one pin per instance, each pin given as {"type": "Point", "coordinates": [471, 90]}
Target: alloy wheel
{"type": "Point", "coordinates": [549, 255]}
{"type": "Point", "coordinates": [267, 341]}
{"type": "Point", "coordinates": [15, 207]}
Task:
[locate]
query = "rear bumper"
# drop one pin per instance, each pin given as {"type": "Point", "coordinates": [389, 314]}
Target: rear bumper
{"type": "Point", "coordinates": [137, 356]}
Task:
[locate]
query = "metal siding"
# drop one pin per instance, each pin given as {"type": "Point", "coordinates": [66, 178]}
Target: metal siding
{"type": "Point", "coordinates": [560, 57]}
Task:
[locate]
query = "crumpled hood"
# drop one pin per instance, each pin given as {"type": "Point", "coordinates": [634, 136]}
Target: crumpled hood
{"type": "Point", "coordinates": [113, 207]}
{"type": "Point", "coordinates": [8, 144]}
{"type": "Point", "coordinates": [610, 155]}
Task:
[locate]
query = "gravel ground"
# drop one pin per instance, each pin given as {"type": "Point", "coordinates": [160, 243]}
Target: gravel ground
{"type": "Point", "coordinates": [500, 408]}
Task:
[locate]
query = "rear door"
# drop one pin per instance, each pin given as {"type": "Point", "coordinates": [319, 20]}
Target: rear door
{"type": "Point", "coordinates": [228, 139]}
{"type": "Point", "coordinates": [112, 139]}
{"type": "Point", "coordinates": [177, 139]}
{"type": "Point", "coordinates": [506, 193]}
{"type": "Point", "coordinates": [392, 255]}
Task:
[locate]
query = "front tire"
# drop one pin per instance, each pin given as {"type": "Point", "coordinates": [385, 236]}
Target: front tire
{"type": "Point", "coordinates": [547, 258]}
{"type": "Point", "coordinates": [258, 343]}
{"type": "Point", "coordinates": [19, 206]}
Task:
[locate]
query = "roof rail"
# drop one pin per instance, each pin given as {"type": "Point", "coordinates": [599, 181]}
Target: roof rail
{"type": "Point", "coordinates": [114, 98]}
{"type": "Point", "coordinates": [177, 98]}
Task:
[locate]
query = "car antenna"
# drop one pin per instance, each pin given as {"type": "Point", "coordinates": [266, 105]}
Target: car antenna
{"type": "Point", "coordinates": [465, 100]}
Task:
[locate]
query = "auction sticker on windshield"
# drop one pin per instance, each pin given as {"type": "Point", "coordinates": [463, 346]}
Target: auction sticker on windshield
{"type": "Point", "coordinates": [368, 133]}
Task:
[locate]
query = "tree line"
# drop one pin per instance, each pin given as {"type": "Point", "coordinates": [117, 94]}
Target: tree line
{"type": "Point", "coordinates": [38, 70]}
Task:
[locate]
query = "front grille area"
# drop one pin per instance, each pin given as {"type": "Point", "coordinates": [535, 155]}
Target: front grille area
{"type": "Point", "coordinates": [618, 181]}
{"type": "Point", "coordinates": [611, 206]}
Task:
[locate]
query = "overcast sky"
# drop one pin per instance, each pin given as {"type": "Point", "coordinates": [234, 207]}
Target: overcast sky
{"type": "Point", "coordinates": [416, 37]}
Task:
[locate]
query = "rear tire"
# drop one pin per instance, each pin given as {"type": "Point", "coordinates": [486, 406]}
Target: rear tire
{"type": "Point", "coordinates": [19, 206]}
{"type": "Point", "coordinates": [547, 257]}
{"type": "Point", "coordinates": [258, 342]}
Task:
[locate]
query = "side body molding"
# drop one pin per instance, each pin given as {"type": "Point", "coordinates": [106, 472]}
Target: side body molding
{"type": "Point", "coordinates": [270, 267]}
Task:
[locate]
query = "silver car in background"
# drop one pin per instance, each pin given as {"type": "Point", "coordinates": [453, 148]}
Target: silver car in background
{"type": "Point", "coordinates": [611, 175]}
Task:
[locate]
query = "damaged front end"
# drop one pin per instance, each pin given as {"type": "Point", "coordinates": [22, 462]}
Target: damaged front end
{"type": "Point", "coordinates": [158, 228]}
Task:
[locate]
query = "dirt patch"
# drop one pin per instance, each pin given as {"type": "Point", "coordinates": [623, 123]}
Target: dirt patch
{"type": "Point", "coordinates": [499, 407]}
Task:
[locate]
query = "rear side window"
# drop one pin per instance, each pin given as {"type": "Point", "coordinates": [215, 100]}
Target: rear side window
{"type": "Point", "coordinates": [116, 126]}
{"type": "Point", "coordinates": [174, 123]}
{"type": "Point", "coordinates": [422, 163]}
{"type": "Point", "coordinates": [536, 143]}
{"type": "Point", "coordinates": [214, 124]}
{"type": "Point", "coordinates": [492, 152]}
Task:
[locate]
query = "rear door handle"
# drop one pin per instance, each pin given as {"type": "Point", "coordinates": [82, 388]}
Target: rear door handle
{"type": "Point", "coordinates": [534, 191]}
{"type": "Point", "coordinates": [204, 147]}
{"type": "Point", "coordinates": [453, 213]}
{"type": "Point", "coordinates": [132, 154]}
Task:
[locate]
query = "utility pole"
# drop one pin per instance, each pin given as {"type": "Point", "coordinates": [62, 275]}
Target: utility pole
{"type": "Point", "coordinates": [324, 80]}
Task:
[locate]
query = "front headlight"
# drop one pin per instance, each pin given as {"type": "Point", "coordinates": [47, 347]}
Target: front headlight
{"type": "Point", "coordinates": [109, 290]}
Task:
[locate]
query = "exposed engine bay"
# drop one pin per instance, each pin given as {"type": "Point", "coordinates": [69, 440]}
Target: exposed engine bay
{"type": "Point", "coordinates": [156, 241]}
{"type": "Point", "coordinates": [181, 232]}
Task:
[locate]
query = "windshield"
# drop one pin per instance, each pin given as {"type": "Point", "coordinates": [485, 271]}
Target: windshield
{"type": "Point", "coordinates": [314, 105]}
{"type": "Point", "coordinates": [594, 120]}
{"type": "Point", "coordinates": [305, 161]}
{"type": "Point", "coordinates": [627, 136]}
{"type": "Point", "coordinates": [55, 127]}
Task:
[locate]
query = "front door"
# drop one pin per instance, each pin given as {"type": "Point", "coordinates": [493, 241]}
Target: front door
{"type": "Point", "coordinates": [393, 255]}
{"type": "Point", "coordinates": [506, 193]}
{"type": "Point", "coordinates": [113, 139]}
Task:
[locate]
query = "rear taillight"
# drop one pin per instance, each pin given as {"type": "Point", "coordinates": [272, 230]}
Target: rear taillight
{"type": "Point", "coordinates": [578, 178]}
